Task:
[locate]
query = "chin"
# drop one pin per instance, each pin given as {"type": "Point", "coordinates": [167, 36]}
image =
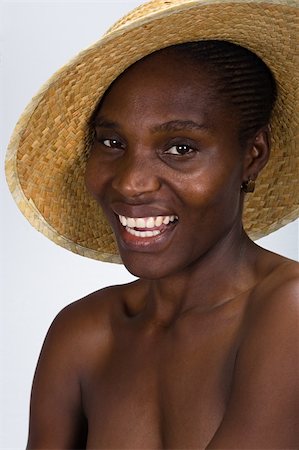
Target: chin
{"type": "Point", "coordinates": [140, 267]}
{"type": "Point", "coordinates": [151, 266]}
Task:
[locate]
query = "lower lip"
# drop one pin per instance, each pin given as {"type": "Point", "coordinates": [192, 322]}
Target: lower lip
{"type": "Point", "coordinates": [146, 244]}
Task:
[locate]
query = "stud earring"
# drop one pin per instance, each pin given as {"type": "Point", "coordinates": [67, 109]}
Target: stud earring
{"type": "Point", "coordinates": [248, 186]}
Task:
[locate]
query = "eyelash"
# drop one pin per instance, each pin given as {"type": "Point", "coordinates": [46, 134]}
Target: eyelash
{"type": "Point", "coordinates": [189, 150]}
{"type": "Point", "coordinates": [182, 149]}
{"type": "Point", "coordinates": [114, 143]}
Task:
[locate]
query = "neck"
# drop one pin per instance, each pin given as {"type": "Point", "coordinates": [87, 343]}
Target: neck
{"type": "Point", "coordinates": [220, 275]}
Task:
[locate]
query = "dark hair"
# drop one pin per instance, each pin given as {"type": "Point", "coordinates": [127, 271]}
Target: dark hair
{"type": "Point", "coordinates": [243, 79]}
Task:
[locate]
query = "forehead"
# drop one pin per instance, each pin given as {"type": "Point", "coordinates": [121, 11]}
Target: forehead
{"type": "Point", "coordinates": [168, 84]}
{"type": "Point", "coordinates": [164, 66]}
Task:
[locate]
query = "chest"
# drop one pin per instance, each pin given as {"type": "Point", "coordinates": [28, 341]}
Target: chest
{"type": "Point", "coordinates": [166, 391]}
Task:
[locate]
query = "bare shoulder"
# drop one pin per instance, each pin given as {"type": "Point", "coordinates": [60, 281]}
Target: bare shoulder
{"type": "Point", "coordinates": [284, 275]}
{"type": "Point", "coordinates": [273, 321]}
{"type": "Point", "coordinates": [276, 297]}
{"type": "Point", "coordinates": [272, 328]}
{"type": "Point", "coordinates": [263, 407]}
{"type": "Point", "coordinates": [79, 337]}
{"type": "Point", "coordinates": [87, 324]}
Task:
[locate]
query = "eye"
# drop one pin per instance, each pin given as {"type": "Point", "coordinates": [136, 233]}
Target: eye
{"type": "Point", "coordinates": [112, 143]}
{"type": "Point", "coordinates": [180, 150]}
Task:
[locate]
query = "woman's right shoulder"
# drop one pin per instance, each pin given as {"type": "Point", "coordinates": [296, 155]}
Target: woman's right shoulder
{"type": "Point", "coordinates": [78, 341]}
{"type": "Point", "coordinates": [96, 306]}
{"type": "Point", "coordinates": [84, 329]}
{"type": "Point", "coordinates": [95, 310]}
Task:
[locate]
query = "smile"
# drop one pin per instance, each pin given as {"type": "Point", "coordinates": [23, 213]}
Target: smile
{"type": "Point", "coordinates": [146, 227]}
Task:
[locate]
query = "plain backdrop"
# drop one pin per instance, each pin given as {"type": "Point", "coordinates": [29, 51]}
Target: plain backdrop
{"type": "Point", "coordinates": [38, 278]}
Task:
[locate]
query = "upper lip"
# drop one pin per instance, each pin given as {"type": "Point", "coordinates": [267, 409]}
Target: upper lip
{"type": "Point", "coordinates": [137, 211]}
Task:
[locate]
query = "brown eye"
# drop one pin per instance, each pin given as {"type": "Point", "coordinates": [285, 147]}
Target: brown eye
{"type": "Point", "coordinates": [112, 143]}
{"type": "Point", "coordinates": [180, 150]}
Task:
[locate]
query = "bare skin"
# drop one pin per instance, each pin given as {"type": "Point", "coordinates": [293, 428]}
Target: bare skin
{"type": "Point", "coordinates": [202, 351]}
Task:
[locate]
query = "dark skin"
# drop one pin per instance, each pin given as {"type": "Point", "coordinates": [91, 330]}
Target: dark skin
{"type": "Point", "coordinates": [202, 351]}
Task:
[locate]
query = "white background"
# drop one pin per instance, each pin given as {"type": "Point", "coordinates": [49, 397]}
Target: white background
{"type": "Point", "coordinates": [38, 278]}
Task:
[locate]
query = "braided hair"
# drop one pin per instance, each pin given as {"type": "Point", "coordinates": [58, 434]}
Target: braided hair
{"type": "Point", "coordinates": [243, 79]}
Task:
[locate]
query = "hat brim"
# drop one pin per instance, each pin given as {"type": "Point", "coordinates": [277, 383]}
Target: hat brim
{"type": "Point", "coordinates": [46, 158]}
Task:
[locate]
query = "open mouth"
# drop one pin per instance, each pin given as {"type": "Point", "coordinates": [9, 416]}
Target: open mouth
{"type": "Point", "coordinates": [146, 227]}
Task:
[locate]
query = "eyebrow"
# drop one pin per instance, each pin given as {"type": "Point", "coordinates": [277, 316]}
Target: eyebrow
{"type": "Point", "coordinates": [172, 125]}
{"type": "Point", "coordinates": [178, 125]}
{"type": "Point", "coordinates": [101, 122]}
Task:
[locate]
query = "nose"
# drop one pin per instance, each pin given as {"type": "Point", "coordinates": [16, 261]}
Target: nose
{"type": "Point", "coordinates": [135, 177]}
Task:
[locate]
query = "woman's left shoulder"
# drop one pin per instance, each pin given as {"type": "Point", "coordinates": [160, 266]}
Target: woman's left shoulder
{"type": "Point", "coordinates": [273, 312]}
{"type": "Point", "coordinates": [279, 289]}
{"type": "Point", "coordinates": [263, 407]}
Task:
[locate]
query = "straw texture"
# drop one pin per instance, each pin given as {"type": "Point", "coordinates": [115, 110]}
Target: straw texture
{"type": "Point", "coordinates": [46, 158]}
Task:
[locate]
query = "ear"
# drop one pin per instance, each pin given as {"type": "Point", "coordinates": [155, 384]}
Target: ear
{"type": "Point", "coordinates": [256, 154]}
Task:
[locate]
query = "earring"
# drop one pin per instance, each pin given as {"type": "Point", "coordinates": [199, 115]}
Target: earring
{"type": "Point", "coordinates": [248, 186]}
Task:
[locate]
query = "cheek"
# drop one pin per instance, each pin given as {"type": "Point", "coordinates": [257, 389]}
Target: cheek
{"type": "Point", "coordinates": [215, 191]}
{"type": "Point", "coordinates": [95, 177]}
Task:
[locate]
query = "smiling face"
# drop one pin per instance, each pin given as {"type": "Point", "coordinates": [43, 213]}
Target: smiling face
{"type": "Point", "coordinates": [166, 165]}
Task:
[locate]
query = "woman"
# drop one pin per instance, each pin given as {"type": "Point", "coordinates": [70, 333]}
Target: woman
{"type": "Point", "coordinates": [185, 356]}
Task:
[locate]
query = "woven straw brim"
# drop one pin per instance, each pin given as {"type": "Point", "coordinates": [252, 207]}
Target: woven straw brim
{"type": "Point", "coordinates": [46, 157]}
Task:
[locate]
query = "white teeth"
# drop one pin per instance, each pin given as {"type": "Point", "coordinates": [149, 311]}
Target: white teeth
{"type": "Point", "coordinates": [123, 220]}
{"type": "Point", "coordinates": [143, 234]}
{"type": "Point", "coordinates": [158, 221]}
{"type": "Point", "coordinates": [140, 223]}
{"type": "Point", "coordinates": [131, 222]}
{"type": "Point", "coordinates": [150, 223]}
{"type": "Point", "coordinates": [145, 222]}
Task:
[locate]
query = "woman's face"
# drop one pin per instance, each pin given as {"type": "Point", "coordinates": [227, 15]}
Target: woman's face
{"type": "Point", "coordinates": [166, 166]}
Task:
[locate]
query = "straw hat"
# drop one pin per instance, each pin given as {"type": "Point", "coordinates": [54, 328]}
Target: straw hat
{"type": "Point", "coordinates": [46, 157]}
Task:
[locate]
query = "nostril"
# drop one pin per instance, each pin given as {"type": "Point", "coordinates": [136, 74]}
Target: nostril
{"type": "Point", "coordinates": [135, 188]}
{"type": "Point", "coordinates": [133, 181]}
